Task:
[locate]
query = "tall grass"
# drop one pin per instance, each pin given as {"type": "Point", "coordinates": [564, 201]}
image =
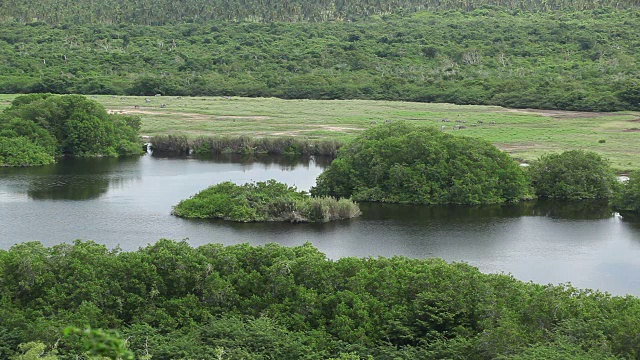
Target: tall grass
{"type": "Point", "coordinates": [323, 209]}
{"type": "Point", "coordinates": [245, 145]}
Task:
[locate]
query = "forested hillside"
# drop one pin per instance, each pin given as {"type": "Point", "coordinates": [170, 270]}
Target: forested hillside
{"type": "Point", "coordinates": [160, 12]}
{"type": "Point", "coordinates": [172, 301]}
{"type": "Point", "coordinates": [576, 60]}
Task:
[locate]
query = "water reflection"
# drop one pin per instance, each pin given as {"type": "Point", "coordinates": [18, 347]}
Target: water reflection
{"type": "Point", "coordinates": [286, 163]}
{"type": "Point", "coordinates": [576, 210]}
{"type": "Point", "coordinates": [72, 179]}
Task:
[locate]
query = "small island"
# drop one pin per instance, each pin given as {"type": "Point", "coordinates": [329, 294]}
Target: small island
{"type": "Point", "coordinates": [264, 201]}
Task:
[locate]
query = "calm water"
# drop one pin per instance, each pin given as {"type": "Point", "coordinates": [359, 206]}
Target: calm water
{"type": "Point", "coordinates": [127, 202]}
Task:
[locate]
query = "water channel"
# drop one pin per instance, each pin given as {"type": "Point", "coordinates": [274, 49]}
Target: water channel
{"type": "Point", "coordinates": [127, 203]}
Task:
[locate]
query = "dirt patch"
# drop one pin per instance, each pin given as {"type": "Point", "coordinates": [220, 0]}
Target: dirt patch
{"type": "Point", "coordinates": [243, 117]}
{"type": "Point", "coordinates": [339, 128]}
{"type": "Point", "coordinates": [635, 120]}
{"type": "Point", "coordinates": [631, 130]}
{"type": "Point", "coordinates": [562, 114]}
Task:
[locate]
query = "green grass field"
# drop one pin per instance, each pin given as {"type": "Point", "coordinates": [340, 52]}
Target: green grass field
{"type": "Point", "coordinates": [526, 134]}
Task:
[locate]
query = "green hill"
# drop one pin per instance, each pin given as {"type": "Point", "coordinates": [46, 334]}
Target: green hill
{"type": "Point", "coordinates": [577, 60]}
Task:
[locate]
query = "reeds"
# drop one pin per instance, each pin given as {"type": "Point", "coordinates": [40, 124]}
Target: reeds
{"type": "Point", "coordinates": [245, 145]}
{"type": "Point", "coordinates": [323, 209]}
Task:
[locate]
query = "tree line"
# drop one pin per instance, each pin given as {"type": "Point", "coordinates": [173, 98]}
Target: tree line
{"type": "Point", "coordinates": [145, 12]}
{"type": "Point", "coordinates": [572, 60]}
{"type": "Point", "coordinates": [170, 301]}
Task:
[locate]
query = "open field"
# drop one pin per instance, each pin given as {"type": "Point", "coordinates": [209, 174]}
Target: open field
{"type": "Point", "coordinates": [526, 134]}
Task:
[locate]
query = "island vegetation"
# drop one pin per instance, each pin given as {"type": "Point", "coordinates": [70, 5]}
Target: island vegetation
{"type": "Point", "coordinates": [404, 163]}
{"type": "Point", "coordinates": [264, 201]}
{"type": "Point", "coordinates": [573, 175]}
{"type": "Point", "coordinates": [170, 300]}
{"type": "Point", "coordinates": [627, 199]}
{"type": "Point", "coordinates": [37, 128]}
{"type": "Point", "coordinates": [245, 145]}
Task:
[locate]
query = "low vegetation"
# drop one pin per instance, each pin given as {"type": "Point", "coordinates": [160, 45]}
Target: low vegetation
{"type": "Point", "coordinates": [628, 196]}
{"type": "Point", "coordinates": [573, 175]}
{"type": "Point", "coordinates": [403, 163]}
{"type": "Point", "coordinates": [245, 145]}
{"type": "Point", "coordinates": [264, 201]}
{"type": "Point", "coordinates": [37, 128]}
{"type": "Point", "coordinates": [170, 300]}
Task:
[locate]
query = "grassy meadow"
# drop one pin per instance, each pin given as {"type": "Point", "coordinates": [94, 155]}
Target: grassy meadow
{"type": "Point", "coordinates": [525, 134]}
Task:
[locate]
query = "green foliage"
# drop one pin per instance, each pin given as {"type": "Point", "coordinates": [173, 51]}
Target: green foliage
{"type": "Point", "coordinates": [263, 201]}
{"type": "Point", "coordinates": [37, 13]}
{"type": "Point", "coordinates": [402, 163]}
{"type": "Point", "coordinates": [106, 344]}
{"type": "Point", "coordinates": [570, 59]}
{"type": "Point", "coordinates": [37, 127]}
{"type": "Point", "coordinates": [20, 151]}
{"type": "Point", "coordinates": [245, 145]}
{"type": "Point", "coordinates": [34, 351]}
{"type": "Point", "coordinates": [170, 300]}
{"type": "Point", "coordinates": [627, 198]}
{"type": "Point", "coordinates": [573, 175]}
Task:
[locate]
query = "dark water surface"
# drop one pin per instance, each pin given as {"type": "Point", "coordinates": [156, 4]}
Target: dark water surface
{"type": "Point", "coordinates": [127, 202]}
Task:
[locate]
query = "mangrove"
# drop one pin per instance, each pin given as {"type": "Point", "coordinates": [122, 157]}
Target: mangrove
{"type": "Point", "coordinates": [404, 163]}
{"type": "Point", "coordinates": [264, 201]}
{"type": "Point", "coordinates": [37, 128]}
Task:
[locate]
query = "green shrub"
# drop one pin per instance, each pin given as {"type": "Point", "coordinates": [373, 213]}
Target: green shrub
{"type": "Point", "coordinates": [20, 151]}
{"type": "Point", "coordinates": [402, 163]}
{"type": "Point", "coordinates": [53, 125]}
{"type": "Point", "coordinates": [263, 201]}
{"type": "Point", "coordinates": [572, 175]}
{"type": "Point", "coordinates": [627, 198]}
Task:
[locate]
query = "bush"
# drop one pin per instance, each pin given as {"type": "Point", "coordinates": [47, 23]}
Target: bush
{"type": "Point", "coordinates": [572, 175]}
{"type": "Point", "coordinates": [263, 201]}
{"type": "Point", "coordinates": [628, 196]}
{"type": "Point", "coordinates": [72, 125]}
{"type": "Point", "coordinates": [402, 163]}
{"type": "Point", "coordinates": [20, 151]}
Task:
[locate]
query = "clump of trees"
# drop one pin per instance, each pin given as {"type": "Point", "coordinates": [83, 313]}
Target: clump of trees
{"type": "Point", "coordinates": [39, 127]}
{"type": "Point", "coordinates": [264, 201]}
{"type": "Point", "coordinates": [573, 175]}
{"type": "Point", "coordinates": [628, 196]}
{"type": "Point", "coordinates": [403, 163]}
{"type": "Point", "coordinates": [170, 300]}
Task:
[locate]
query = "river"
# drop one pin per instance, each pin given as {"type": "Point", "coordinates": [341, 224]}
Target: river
{"type": "Point", "coordinates": [127, 203]}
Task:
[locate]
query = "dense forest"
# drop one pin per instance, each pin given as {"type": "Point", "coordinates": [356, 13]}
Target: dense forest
{"type": "Point", "coordinates": [160, 12]}
{"type": "Point", "coordinates": [172, 301]}
{"type": "Point", "coordinates": [575, 60]}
